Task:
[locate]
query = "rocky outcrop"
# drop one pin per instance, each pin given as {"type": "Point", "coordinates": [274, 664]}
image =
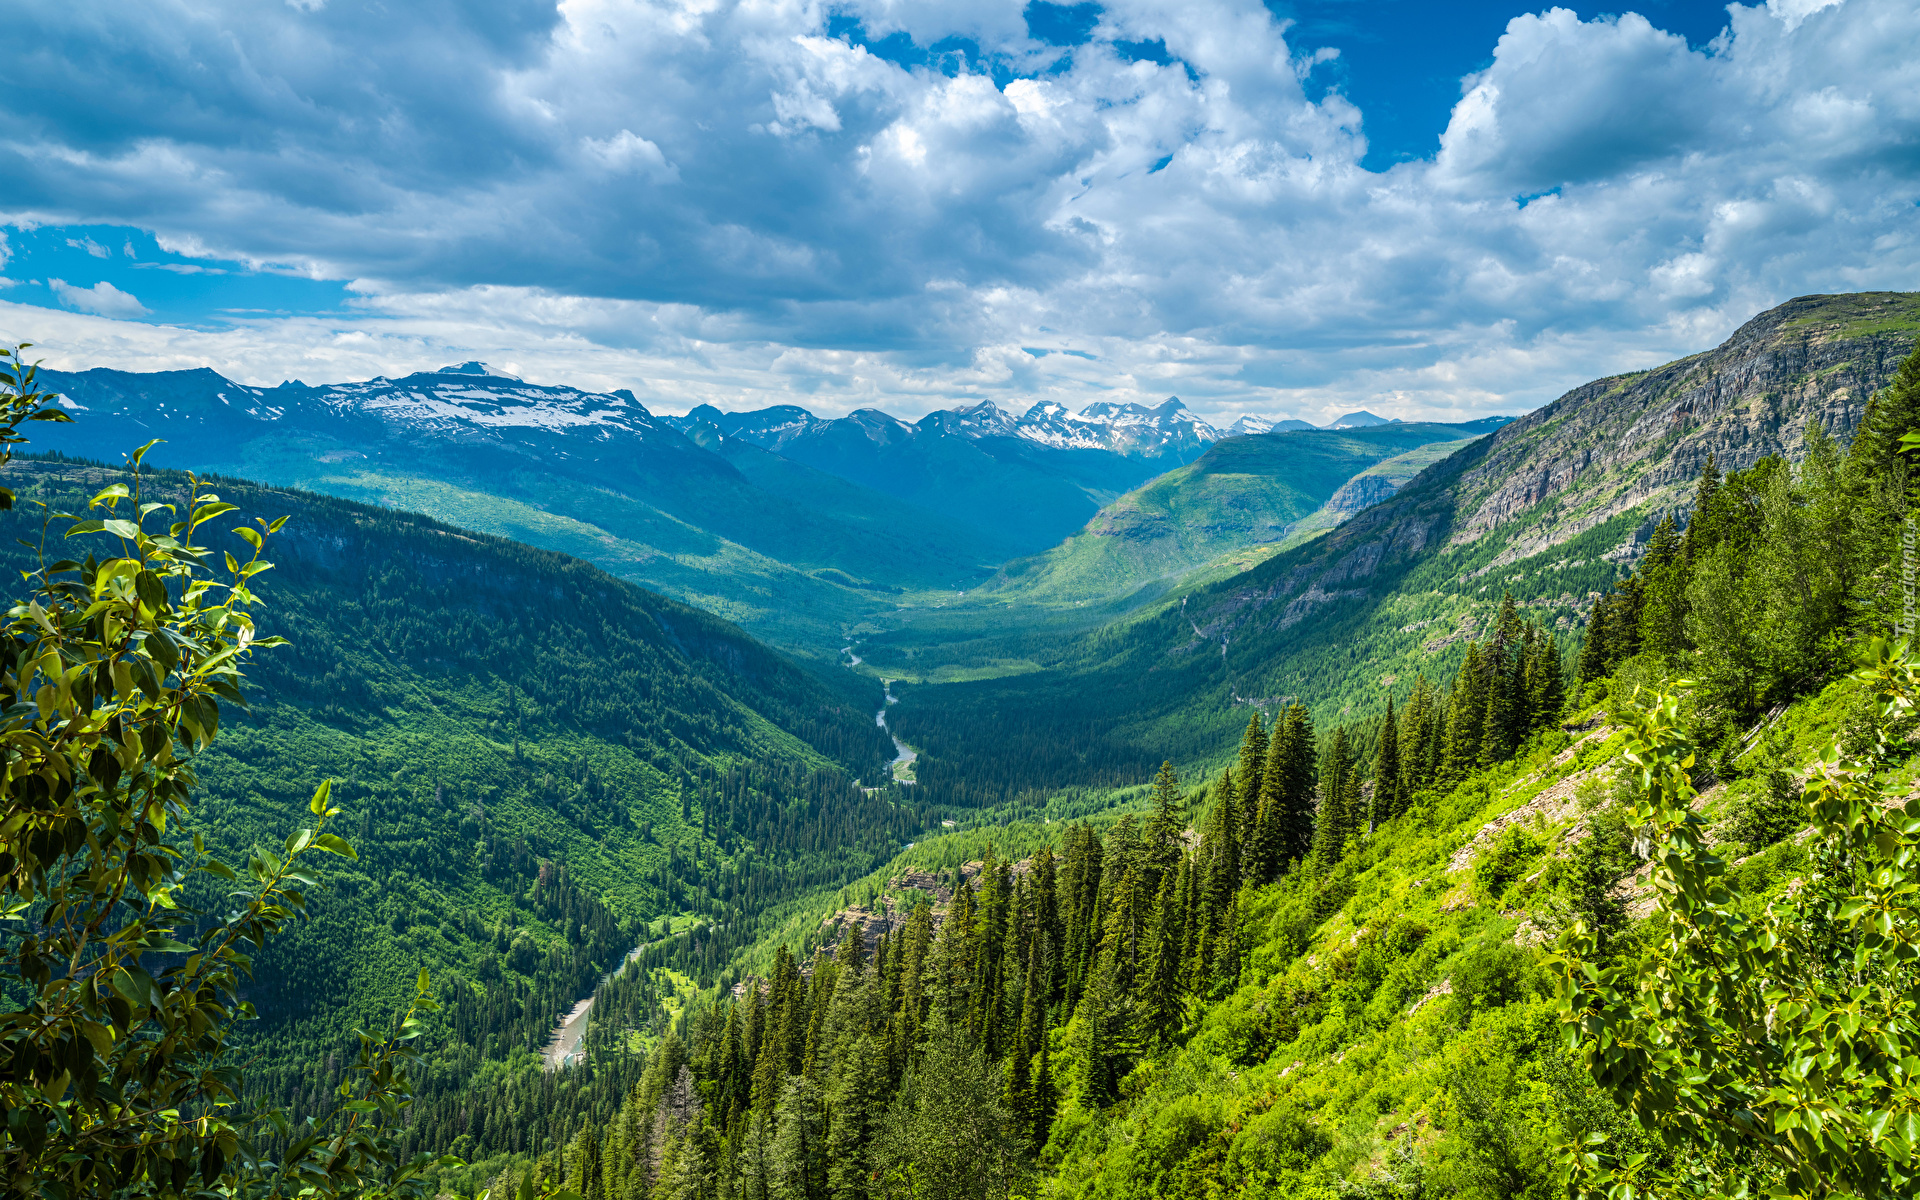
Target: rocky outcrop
{"type": "Point", "coordinates": [1362, 491]}
{"type": "Point", "coordinates": [1640, 440]}
{"type": "Point", "coordinates": [1626, 443]}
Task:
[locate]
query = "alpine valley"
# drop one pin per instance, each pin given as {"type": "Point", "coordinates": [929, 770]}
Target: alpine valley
{"type": "Point", "coordinates": [1070, 804]}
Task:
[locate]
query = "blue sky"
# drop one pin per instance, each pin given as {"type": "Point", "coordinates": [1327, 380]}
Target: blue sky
{"type": "Point", "coordinates": [1294, 208]}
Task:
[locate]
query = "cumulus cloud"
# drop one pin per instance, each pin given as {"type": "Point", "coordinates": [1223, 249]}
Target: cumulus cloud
{"type": "Point", "coordinates": [727, 201]}
{"type": "Point", "coordinates": [102, 298]}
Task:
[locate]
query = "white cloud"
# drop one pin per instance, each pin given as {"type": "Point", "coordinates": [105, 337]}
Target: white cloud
{"type": "Point", "coordinates": [807, 222]}
{"type": "Point", "coordinates": [102, 298]}
{"type": "Point", "coordinates": [627, 151]}
{"type": "Point", "coordinates": [90, 246]}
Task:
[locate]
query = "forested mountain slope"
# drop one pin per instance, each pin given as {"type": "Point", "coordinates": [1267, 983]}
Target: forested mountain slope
{"type": "Point", "coordinates": [1244, 492]}
{"type": "Point", "coordinates": [536, 760]}
{"type": "Point", "coordinates": [792, 554]}
{"type": "Point", "coordinates": [1027, 484]}
{"type": "Point", "coordinates": [1548, 508]}
{"type": "Point", "coordinates": [1327, 973]}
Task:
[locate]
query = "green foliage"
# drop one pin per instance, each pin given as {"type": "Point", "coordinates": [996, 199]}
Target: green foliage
{"type": "Point", "coordinates": [1790, 1033]}
{"type": "Point", "coordinates": [119, 1070]}
{"type": "Point", "coordinates": [1765, 810]}
{"type": "Point", "coordinates": [1504, 862]}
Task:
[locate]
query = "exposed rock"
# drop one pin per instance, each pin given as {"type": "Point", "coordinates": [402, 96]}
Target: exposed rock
{"type": "Point", "coordinates": [1622, 444]}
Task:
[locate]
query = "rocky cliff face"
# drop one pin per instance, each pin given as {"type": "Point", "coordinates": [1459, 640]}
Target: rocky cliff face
{"type": "Point", "coordinates": [1641, 440]}
{"type": "Point", "coordinates": [1362, 491]}
{"type": "Point", "coordinates": [1618, 445]}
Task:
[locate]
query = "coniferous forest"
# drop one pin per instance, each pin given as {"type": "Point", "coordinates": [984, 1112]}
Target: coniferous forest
{"type": "Point", "coordinates": [1618, 906]}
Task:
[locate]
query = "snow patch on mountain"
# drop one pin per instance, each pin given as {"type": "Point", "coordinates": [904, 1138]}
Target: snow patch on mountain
{"type": "Point", "coordinates": [483, 397]}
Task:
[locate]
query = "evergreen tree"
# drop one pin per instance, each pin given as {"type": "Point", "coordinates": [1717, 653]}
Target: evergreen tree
{"type": "Point", "coordinates": [1170, 811]}
{"type": "Point", "coordinates": [1892, 412]}
{"type": "Point", "coordinates": [1466, 718]}
{"type": "Point", "coordinates": [948, 1135]}
{"type": "Point", "coordinates": [1333, 820]}
{"type": "Point", "coordinates": [1664, 610]}
{"type": "Point", "coordinates": [1047, 926]}
{"type": "Point", "coordinates": [1413, 735]}
{"type": "Point", "coordinates": [1160, 985]}
{"type": "Point", "coordinates": [1294, 820]}
{"type": "Point", "coordinates": [1251, 772]}
{"type": "Point", "coordinates": [1704, 521]}
{"type": "Point", "coordinates": [798, 1160]}
{"type": "Point", "coordinates": [1594, 654]}
{"type": "Point", "coordinates": [1386, 772]}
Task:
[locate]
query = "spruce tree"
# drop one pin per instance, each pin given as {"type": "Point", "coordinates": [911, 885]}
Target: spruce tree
{"type": "Point", "coordinates": [1413, 739]}
{"type": "Point", "coordinates": [1892, 412]}
{"type": "Point", "coordinates": [1295, 838]}
{"type": "Point", "coordinates": [1466, 718]}
{"type": "Point", "coordinates": [1331, 821]}
{"type": "Point", "coordinates": [1663, 613]}
{"type": "Point", "coordinates": [1386, 772]}
{"type": "Point", "coordinates": [1170, 816]}
{"type": "Point", "coordinates": [1703, 523]}
{"type": "Point", "coordinates": [1252, 770]}
{"type": "Point", "coordinates": [1160, 986]}
{"type": "Point", "coordinates": [1261, 860]}
{"type": "Point", "coordinates": [1594, 654]}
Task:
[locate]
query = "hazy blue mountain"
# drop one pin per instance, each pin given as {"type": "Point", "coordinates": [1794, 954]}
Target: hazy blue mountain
{"type": "Point", "coordinates": [791, 553]}
{"type": "Point", "coordinates": [1357, 420]}
{"type": "Point", "coordinates": [1257, 424]}
{"type": "Point", "coordinates": [1029, 481]}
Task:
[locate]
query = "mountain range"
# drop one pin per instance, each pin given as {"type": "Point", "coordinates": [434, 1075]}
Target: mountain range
{"type": "Point", "coordinates": [566, 786]}
{"type": "Point", "coordinates": [794, 526]}
{"type": "Point", "coordinates": [1551, 509]}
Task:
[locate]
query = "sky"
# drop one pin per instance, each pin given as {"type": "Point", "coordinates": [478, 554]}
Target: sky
{"type": "Point", "coordinates": [1296, 208]}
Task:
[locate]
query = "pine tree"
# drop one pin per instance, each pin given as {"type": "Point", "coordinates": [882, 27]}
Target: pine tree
{"type": "Point", "coordinates": [1703, 523]}
{"type": "Point", "coordinates": [1594, 653]}
{"type": "Point", "coordinates": [1046, 1096]}
{"type": "Point", "coordinates": [1261, 859]}
{"type": "Point", "coordinates": [1386, 772]}
{"type": "Point", "coordinates": [1160, 986]}
{"type": "Point", "coordinates": [1466, 718]}
{"type": "Point", "coordinates": [1252, 770]}
{"type": "Point", "coordinates": [1497, 739]}
{"type": "Point", "coordinates": [1084, 863]}
{"type": "Point", "coordinates": [1663, 614]}
{"type": "Point", "coordinates": [1332, 819]}
{"type": "Point", "coordinates": [1294, 816]}
{"type": "Point", "coordinates": [1414, 723]}
{"type": "Point", "coordinates": [1170, 812]}
{"type": "Point", "coordinates": [1046, 918]}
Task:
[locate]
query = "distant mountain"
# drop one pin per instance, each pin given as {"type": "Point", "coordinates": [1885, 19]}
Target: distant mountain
{"type": "Point", "coordinates": [790, 553]}
{"type": "Point", "coordinates": [1030, 481]}
{"type": "Point", "coordinates": [1256, 424]}
{"type": "Point", "coordinates": [1548, 509]}
{"type": "Point", "coordinates": [1135, 430]}
{"type": "Point", "coordinates": [1245, 494]}
{"type": "Point", "coordinates": [1356, 420]}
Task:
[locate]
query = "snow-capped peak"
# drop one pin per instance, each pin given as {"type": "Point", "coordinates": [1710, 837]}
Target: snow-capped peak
{"type": "Point", "coordinates": [478, 368]}
{"type": "Point", "coordinates": [1123, 428]}
{"type": "Point", "coordinates": [1256, 423]}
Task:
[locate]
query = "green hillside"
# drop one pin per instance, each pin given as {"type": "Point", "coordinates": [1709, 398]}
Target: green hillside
{"type": "Point", "coordinates": [792, 554]}
{"type": "Point", "coordinates": [1550, 508]}
{"type": "Point", "coordinates": [537, 761]}
{"type": "Point", "coordinates": [1243, 493]}
{"type": "Point", "coordinates": [1656, 940]}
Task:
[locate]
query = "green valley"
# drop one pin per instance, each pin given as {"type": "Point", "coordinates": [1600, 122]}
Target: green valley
{"type": "Point", "coordinates": [1243, 494]}
{"type": "Point", "coordinates": [1311, 878]}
